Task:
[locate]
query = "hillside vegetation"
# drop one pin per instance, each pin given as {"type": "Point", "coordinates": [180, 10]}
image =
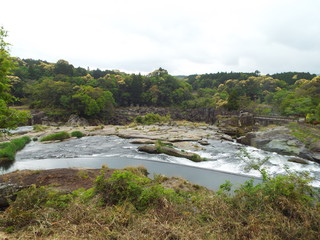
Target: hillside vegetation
{"type": "Point", "coordinates": [61, 89]}
{"type": "Point", "coordinates": [128, 205]}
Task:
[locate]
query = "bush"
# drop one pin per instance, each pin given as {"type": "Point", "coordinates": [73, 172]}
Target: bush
{"type": "Point", "coordinates": [152, 118]}
{"type": "Point", "coordinates": [56, 136]}
{"type": "Point", "coordinates": [8, 150]}
{"type": "Point", "coordinates": [30, 202]}
{"type": "Point", "coordinates": [125, 186]}
{"type": "Point", "coordinates": [121, 186]}
{"type": "Point", "coordinates": [77, 134]}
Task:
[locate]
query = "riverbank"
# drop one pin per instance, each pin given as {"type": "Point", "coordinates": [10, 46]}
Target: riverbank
{"type": "Point", "coordinates": [180, 133]}
{"type": "Point", "coordinates": [126, 203]}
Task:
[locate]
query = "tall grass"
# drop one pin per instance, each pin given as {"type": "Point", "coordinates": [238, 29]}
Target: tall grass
{"type": "Point", "coordinates": [131, 206]}
{"type": "Point", "coordinates": [56, 136]}
{"type": "Point", "coordinates": [8, 150]}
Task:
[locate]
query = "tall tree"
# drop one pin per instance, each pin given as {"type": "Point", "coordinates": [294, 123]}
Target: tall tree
{"type": "Point", "coordinates": [9, 118]}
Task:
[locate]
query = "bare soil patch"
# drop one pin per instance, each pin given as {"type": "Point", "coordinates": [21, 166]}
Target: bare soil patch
{"type": "Point", "coordinates": [65, 179]}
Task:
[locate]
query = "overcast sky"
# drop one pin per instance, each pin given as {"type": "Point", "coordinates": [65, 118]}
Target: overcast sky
{"type": "Point", "coordinates": [184, 37]}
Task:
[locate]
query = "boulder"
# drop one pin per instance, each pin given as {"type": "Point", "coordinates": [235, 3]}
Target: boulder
{"type": "Point", "coordinates": [315, 147]}
{"type": "Point", "coordinates": [75, 120]}
{"type": "Point", "coordinates": [203, 142]}
{"type": "Point", "coordinates": [8, 191]}
{"type": "Point", "coordinates": [280, 140]}
{"type": "Point", "coordinates": [143, 141]}
{"type": "Point", "coordinates": [246, 119]}
{"type": "Point", "coordinates": [170, 151]}
{"type": "Point", "coordinates": [226, 137]}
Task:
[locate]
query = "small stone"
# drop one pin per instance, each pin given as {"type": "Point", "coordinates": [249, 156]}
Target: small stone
{"type": "Point", "coordinates": [203, 142]}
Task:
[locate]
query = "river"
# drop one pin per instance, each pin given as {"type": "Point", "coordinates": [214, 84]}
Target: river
{"type": "Point", "coordinates": [225, 160]}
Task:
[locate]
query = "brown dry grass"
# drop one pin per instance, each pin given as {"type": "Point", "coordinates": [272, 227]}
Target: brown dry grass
{"type": "Point", "coordinates": [201, 214]}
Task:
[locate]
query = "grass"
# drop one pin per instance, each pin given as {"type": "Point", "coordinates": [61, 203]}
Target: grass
{"type": "Point", "coordinates": [152, 118]}
{"type": "Point", "coordinates": [39, 128]}
{"type": "Point", "coordinates": [128, 205]}
{"type": "Point", "coordinates": [8, 149]}
{"type": "Point", "coordinates": [56, 136]}
{"type": "Point", "coordinates": [77, 134]}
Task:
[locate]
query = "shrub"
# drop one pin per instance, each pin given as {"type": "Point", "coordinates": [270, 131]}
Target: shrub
{"type": "Point", "coordinates": [8, 150]}
{"type": "Point", "coordinates": [29, 204]}
{"type": "Point", "coordinates": [125, 186]}
{"type": "Point", "coordinates": [121, 186]}
{"type": "Point", "coordinates": [56, 136]}
{"type": "Point", "coordinates": [77, 134]}
{"type": "Point", "coordinates": [152, 118]}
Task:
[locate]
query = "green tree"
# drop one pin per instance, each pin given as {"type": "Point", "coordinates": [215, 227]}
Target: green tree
{"type": "Point", "coordinates": [92, 102]}
{"type": "Point", "coordinates": [9, 118]}
{"type": "Point", "coordinates": [233, 101]}
{"type": "Point", "coordinates": [63, 67]}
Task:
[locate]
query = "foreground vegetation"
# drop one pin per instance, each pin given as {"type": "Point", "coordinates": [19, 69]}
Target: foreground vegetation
{"type": "Point", "coordinates": [128, 205]}
{"type": "Point", "coordinates": [8, 149]}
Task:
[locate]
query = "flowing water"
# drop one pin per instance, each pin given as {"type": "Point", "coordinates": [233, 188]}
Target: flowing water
{"type": "Point", "coordinates": [225, 160]}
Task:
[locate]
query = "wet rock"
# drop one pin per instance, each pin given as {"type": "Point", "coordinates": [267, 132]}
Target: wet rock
{"type": "Point", "coordinates": [226, 137]}
{"type": "Point", "coordinates": [170, 151]}
{"type": "Point", "coordinates": [203, 142]}
{"type": "Point", "coordinates": [233, 131]}
{"type": "Point", "coordinates": [315, 151]}
{"type": "Point", "coordinates": [282, 146]}
{"type": "Point", "coordinates": [143, 141]}
{"type": "Point", "coordinates": [247, 139]}
{"type": "Point", "coordinates": [298, 160]}
{"type": "Point", "coordinates": [315, 147]}
{"type": "Point", "coordinates": [149, 141]}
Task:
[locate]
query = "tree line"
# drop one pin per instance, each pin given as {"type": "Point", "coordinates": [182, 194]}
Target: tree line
{"type": "Point", "coordinates": [61, 89]}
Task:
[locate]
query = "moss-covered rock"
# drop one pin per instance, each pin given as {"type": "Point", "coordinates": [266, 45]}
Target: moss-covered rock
{"type": "Point", "coordinates": [153, 149]}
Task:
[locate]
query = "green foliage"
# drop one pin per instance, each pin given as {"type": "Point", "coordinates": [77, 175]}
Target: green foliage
{"type": "Point", "coordinates": [9, 118]}
{"type": "Point", "coordinates": [225, 188]}
{"type": "Point", "coordinates": [121, 186]}
{"type": "Point", "coordinates": [233, 99]}
{"type": "Point", "coordinates": [197, 158]}
{"type": "Point", "coordinates": [25, 209]}
{"type": "Point", "coordinates": [277, 192]}
{"type": "Point", "coordinates": [89, 101]}
{"type": "Point", "coordinates": [8, 150]}
{"type": "Point", "coordinates": [125, 186]}
{"type": "Point", "coordinates": [56, 136]}
{"type": "Point", "coordinates": [152, 118]}
{"type": "Point", "coordinates": [84, 195]}
{"type": "Point", "coordinates": [281, 207]}
{"type": "Point", "coordinates": [77, 134]}
{"type": "Point", "coordinates": [39, 128]}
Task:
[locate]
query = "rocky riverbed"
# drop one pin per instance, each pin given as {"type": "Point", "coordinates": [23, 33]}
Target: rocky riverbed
{"type": "Point", "coordinates": [281, 140]}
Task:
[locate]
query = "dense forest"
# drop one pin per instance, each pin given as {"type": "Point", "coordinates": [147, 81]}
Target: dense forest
{"type": "Point", "coordinates": [60, 88]}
